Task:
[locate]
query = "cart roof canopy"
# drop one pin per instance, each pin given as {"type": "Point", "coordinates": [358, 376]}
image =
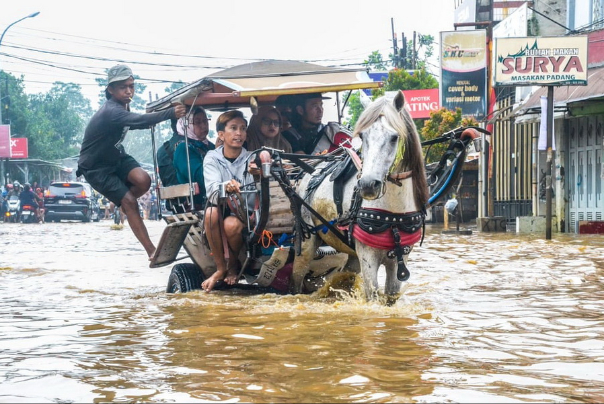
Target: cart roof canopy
{"type": "Point", "coordinates": [265, 81]}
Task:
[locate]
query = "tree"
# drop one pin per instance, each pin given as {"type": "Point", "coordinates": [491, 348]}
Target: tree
{"type": "Point", "coordinates": [57, 121]}
{"type": "Point", "coordinates": [424, 50]}
{"type": "Point", "coordinates": [398, 79]}
{"type": "Point", "coordinates": [375, 61]}
{"type": "Point", "coordinates": [14, 102]}
{"type": "Point", "coordinates": [53, 122]}
{"type": "Point", "coordinates": [441, 122]}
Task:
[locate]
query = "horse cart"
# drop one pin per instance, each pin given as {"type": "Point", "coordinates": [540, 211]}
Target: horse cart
{"type": "Point", "coordinates": [312, 209]}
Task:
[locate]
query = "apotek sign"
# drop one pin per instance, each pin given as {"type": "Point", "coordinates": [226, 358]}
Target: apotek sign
{"type": "Point", "coordinates": [420, 103]}
{"type": "Point", "coordinates": [540, 61]}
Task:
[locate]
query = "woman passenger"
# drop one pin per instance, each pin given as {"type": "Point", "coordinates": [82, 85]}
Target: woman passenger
{"type": "Point", "coordinates": [265, 130]}
{"type": "Point", "coordinates": [199, 146]}
{"type": "Point", "coordinates": [226, 167]}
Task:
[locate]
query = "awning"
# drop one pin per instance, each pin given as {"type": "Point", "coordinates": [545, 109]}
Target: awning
{"type": "Point", "coordinates": [565, 96]}
{"type": "Point", "coordinates": [266, 80]}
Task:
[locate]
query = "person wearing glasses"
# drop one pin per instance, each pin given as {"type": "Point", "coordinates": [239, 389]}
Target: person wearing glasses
{"type": "Point", "coordinates": [265, 130]}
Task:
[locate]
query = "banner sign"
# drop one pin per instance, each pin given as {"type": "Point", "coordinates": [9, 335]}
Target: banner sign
{"type": "Point", "coordinates": [420, 103]}
{"type": "Point", "coordinates": [18, 147]}
{"type": "Point", "coordinates": [463, 75]}
{"type": "Point", "coordinates": [4, 141]}
{"type": "Point", "coordinates": [540, 61]}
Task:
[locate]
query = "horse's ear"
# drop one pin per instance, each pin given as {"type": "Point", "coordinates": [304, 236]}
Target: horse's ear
{"type": "Point", "coordinates": [364, 98]}
{"type": "Point", "coordinates": [254, 106]}
{"type": "Point", "coordinates": [399, 100]}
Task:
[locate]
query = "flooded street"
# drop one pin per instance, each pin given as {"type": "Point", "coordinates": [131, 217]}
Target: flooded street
{"type": "Point", "coordinates": [484, 318]}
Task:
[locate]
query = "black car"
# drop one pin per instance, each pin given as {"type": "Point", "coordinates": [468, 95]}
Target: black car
{"type": "Point", "coordinates": [71, 201]}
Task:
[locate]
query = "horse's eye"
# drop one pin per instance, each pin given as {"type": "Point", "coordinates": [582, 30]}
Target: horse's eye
{"type": "Point", "coordinates": [361, 135]}
{"type": "Point", "coordinates": [393, 138]}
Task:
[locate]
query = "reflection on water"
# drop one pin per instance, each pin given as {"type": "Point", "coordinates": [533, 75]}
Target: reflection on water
{"type": "Point", "coordinates": [484, 318]}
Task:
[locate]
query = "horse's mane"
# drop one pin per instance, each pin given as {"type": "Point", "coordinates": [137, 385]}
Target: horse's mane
{"type": "Point", "coordinates": [401, 121]}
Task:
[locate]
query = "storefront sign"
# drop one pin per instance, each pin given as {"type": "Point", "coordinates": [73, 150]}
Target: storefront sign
{"type": "Point", "coordinates": [4, 141]}
{"type": "Point", "coordinates": [420, 103]}
{"type": "Point", "coordinates": [18, 147]}
{"type": "Point", "coordinates": [464, 72]}
{"type": "Point", "coordinates": [540, 61]}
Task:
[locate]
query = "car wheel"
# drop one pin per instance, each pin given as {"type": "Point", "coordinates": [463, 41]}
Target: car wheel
{"type": "Point", "coordinates": [184, 278]}
{"type": "Point", "coordinates": [87, 217]}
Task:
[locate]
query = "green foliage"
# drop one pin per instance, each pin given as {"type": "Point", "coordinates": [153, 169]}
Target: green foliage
{"type": "Point", "coordinates": [375, 61]}
{"type": "Point", "coordinates": [398, 79]}
{"type": "Point", "coordinates": [424, 50]}
{"type": "Point", "coordinates": [53, 122]}
{"type": "Point", "coordinates": [354, 109]}
{"type": "Point", "coordinates": [14, 103]}
{"type": "Point", "coordinates": [440, 122]}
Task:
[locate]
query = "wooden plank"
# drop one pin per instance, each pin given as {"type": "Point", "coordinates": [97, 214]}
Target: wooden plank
{"type": "Point", "coordinates": [171, 240]}
{"type": "Point", "coordinates": [177, 191]}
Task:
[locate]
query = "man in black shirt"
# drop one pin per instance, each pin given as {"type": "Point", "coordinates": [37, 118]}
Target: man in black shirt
{"type": "Point", "coordinates": [103, 161]}
{"type": "Point", "coordinates": [308, 135]}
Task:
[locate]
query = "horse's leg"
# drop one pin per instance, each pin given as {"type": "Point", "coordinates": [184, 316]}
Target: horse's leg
{"type": "Point", "coordinates": [369, 259]}
{"type": "Point", "coordinates": [353, 265]}
{"type": "Point", "coordinates": [392, 287]}
{"type": "Point", "coordinates": [302, 263]}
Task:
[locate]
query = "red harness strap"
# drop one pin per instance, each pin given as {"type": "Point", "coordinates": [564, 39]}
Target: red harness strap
{"type": "Point", "coordinates": [385, 239]}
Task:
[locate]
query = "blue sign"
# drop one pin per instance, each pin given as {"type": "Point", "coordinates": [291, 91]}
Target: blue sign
{"type": "Point", "coordinates": [376, 76]}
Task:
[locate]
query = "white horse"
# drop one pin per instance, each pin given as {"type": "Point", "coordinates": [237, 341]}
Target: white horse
{"type": "Point", "coordinates": [385, 215]}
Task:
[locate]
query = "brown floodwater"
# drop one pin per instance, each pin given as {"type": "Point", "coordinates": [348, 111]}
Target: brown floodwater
{"type": "Point", "coordinates": [483, 318]}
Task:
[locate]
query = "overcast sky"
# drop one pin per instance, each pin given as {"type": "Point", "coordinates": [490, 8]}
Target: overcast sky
{"type": "Point", "coordinates": [76, 41]}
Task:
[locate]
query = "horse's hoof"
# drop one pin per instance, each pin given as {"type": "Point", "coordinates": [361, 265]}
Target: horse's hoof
{"type": "Point", "coordinates": [391, 300]}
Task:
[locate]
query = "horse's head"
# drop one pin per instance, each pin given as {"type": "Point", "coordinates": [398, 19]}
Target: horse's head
{"type": "Point", "coordinates": [390, 147]}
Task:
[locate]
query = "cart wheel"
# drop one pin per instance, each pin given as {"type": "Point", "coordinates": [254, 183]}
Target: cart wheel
{"type": "Point", "coordinates": [184, 278]}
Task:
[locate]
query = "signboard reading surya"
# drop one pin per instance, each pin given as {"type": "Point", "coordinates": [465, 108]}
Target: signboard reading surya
{"type": "Point", "coordinates": [534, 61]}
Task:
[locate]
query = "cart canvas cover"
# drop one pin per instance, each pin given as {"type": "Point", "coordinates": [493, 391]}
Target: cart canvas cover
{"type": "Point", "coordinates": [265, 81]}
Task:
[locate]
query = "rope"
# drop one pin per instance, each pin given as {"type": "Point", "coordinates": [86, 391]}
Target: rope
{"type": "Point", "coordinates": [266, 239]}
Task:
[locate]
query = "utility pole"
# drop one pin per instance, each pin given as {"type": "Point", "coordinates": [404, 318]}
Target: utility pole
{"type": "Point", "coordinates": [395, 59]}
{"type": "Point", "coordinates": [403, 51]}
{"type": "Point", "coordinates": [414, 51]}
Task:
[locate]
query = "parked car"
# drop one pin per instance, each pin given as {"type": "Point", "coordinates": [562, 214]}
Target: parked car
{"type": "Point", "coordinates": [71, 201]}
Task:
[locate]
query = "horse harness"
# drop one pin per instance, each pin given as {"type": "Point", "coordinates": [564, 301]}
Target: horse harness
{"type": "Point", "coordinates": [396, 232]}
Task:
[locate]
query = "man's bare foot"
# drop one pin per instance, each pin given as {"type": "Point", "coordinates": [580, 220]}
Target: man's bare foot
{"type": "Point", "coordinates": [232, 276]}
{"type": "Point", "coordinates": [211, 282]}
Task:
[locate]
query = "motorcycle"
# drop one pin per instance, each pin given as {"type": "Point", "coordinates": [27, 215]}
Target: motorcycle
{"type": "Point", "coordinates": [12, 211]}
{"type": "Point", "coordinates": [28, 214]}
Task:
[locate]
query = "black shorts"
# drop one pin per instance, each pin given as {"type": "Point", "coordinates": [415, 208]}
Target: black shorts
{"type": "Point", "coordinates": [112, 181]}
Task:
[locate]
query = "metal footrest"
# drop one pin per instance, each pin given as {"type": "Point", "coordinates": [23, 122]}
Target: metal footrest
{"type": "Point", "coordinates": [172, 240]}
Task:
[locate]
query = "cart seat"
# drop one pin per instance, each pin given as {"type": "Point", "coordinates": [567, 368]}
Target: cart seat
{"type": "Point", "coordinates": [177, 191]}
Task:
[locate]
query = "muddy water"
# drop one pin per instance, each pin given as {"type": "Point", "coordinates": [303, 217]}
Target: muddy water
{"type": "Point", "coordinates": [484, 318]}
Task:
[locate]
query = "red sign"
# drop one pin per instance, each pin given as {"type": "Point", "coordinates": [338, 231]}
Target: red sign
{"type": "Point", "coordinates": [4, 141]}
{"type": "Point", "coordinates": [420, 103]}
{"type": "Point", "coordinates": [18, 147]}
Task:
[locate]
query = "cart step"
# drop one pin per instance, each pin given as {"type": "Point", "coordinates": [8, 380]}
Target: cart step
{"type": "Point", "coordinates": [171, 240]}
